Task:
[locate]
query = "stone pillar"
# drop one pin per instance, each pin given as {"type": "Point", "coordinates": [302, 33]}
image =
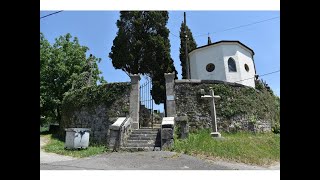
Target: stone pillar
{"type": "Point", "coordinates": [167, 131]}
{"type": "Point", "coordinates": [113, 138]}
{"type": "Point", "coordinates": [182, 124]}
{"type": "Point", "coordinates": [170, 95]}
{"type": "Point", "coordinates": [135, 100]}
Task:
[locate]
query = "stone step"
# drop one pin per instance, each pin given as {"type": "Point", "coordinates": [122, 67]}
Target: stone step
{"type": "Point", "coordinates": [145, 132]}
{"type": "Point", "coordinates": [147, 129]}
{"type": "Point", "coordinates": [141, 144]}
{"type": "Point", "coordinates": [142, 138]}
{"type": "Point", "coordinates": [143, 135]}
{"type": "Point", "coordinates": [136, 144]}
{"type": "Point", "coordinates": [143, 141]}
{"type": "Point", "coordinates": [135, 149]}
{"type": "Point", "coordinates": [155, 126]}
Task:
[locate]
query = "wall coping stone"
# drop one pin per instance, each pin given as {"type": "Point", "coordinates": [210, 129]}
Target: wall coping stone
{"type": "Point", "coordinates": [167, 121]}
{"type": "Point", "coordinates": [116, 125]}
{"type": "Point", "coordinates": [77, 129]}
{"type": "Point", "coordinates": [198, 81]}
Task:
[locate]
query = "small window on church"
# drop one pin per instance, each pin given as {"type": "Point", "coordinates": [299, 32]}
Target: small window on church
{"type": "Point", "coordinates": [246, 67]}
{"type": "Point", "coordinates": [232, 65]}
{"type": "Point", "coordinates": [210, 67]}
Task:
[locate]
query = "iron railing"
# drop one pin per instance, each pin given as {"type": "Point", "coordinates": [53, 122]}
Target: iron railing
{"type": "Point", "coordinates": [146, 97]}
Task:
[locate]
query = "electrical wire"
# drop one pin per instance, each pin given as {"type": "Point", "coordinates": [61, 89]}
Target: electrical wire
{"type": "Point", "coordinates": [259, 75]}
{"type": "Point", "coordinates": [239, 26]}
{"type": "Point", "coordinates": [50, 14]}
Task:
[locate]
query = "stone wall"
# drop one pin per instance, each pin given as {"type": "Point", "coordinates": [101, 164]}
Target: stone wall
{"type": "Point", "coordinates": [240, 107]}
{"type": "Point", "coordinates": [95, 107]}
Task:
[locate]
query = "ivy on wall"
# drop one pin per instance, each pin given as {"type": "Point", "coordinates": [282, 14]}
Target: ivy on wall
{"type": "Point", "coordinates": [244, 100]}
{"type": "Point", "coordinates": [235, 101]}
{"type": "Point", "coordinates": [105, 94]}
{"type": "Point", "coordinates": [95, 107]}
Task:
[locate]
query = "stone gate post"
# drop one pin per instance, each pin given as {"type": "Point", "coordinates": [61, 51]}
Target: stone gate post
{"type": "Point", "coordinates": [135, 100]}
{"type": "Point", "coordinates": [170, 95]}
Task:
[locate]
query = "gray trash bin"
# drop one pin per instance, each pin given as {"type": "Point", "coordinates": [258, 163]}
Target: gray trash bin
{"type": "Point", "coordinates": [77, 138]}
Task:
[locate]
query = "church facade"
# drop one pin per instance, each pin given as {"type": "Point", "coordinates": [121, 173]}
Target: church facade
{"type": "Point", "coordinates": [229, 61]}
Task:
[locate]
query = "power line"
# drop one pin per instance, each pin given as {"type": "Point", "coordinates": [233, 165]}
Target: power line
{"type": "Point", "coordinates": [259, 76]}
{"type": "Point", "coordinates": [50, 14]}
{"type": "Point", "coordinates": [270, 73]}
{"type": "Point", "coordinates": [233, 27]}
{"type": "Point", "coordinates": [239, 26]}
{"type": "Point", "coordinates": [174, 35]}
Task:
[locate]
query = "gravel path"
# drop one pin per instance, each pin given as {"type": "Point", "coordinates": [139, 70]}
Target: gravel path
{"type": "Point", "coordinates": [51, 157]}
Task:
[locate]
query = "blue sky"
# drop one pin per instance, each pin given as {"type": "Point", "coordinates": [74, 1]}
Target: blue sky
{"type": "Point", "coordinates": [97, 29]}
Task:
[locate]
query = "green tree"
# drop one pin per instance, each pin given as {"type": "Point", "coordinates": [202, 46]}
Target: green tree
{"type": "Point", "coordinates": [142, 46]}
{"type": "Point", "coordinates": [191, 45]}
{"type": "Point", "coordinates": [63, 66]}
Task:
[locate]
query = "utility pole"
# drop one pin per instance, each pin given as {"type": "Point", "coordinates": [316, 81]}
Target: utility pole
{"type": "Point", "coordinates": [186, 43]}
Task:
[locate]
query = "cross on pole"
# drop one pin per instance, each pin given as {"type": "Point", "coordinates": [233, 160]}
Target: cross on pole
{"type": "Point", "coordinates": [211, 98]}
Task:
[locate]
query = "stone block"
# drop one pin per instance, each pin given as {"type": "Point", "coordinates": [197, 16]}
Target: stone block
{"type": "Point", "coordinates": [167, 122]}
{"type": "Point", "coordinates": [166, 143]}
{"type": "Point", "coordinates": [167, 133]}
{"type": "Point", "coordinates": [182, 118]}
{"type": "Point", "coordinates": [182, 123]}
{"type": "Point", "coordinates": [184, 130]}
{"type": "Point", "coordinates": [135, 125]}
{"type": "Point", "coordinates": [113, 137]}
{"type": "Point", "coordinates": [215, 135]}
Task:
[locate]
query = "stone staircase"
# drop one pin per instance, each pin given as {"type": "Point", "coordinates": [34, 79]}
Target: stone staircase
{"type": "Point", "coordinates": [144, 139]}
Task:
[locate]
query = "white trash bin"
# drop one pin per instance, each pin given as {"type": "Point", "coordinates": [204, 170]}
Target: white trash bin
{"type": "Point", "coordinates": [77, 138]}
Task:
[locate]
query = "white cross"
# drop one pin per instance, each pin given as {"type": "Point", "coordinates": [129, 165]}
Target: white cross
{"type": "Point", "coordinates": [212, 97]}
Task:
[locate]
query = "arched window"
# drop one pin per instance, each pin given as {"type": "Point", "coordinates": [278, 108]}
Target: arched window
{"type": "Point", "coordinates": [232, 65]}
{"type": "Point", "coordinates": [246, 67]}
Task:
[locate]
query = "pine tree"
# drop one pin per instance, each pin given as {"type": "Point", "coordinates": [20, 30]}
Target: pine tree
{"type": "Point", "coordinates": [142, 46]}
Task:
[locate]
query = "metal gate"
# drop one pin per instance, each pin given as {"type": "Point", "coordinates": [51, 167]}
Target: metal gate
{"type": "Point", "coordinates": [146, 104]}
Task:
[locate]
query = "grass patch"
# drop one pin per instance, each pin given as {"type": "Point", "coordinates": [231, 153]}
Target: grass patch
{"type": "Point", "coordinates": [44, 129]}
{"type": "Point", "coordinates": [56, 146]}
{"type": "Point", "coordinates": [245, 147]}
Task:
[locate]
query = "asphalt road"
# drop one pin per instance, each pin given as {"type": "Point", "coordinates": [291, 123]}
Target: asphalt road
{"type": "Point", "coordinates": [150, 160]}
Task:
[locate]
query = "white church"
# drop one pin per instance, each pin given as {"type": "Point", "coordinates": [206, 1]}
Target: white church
{"type": "Point", "coordinates": [229, 61]}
